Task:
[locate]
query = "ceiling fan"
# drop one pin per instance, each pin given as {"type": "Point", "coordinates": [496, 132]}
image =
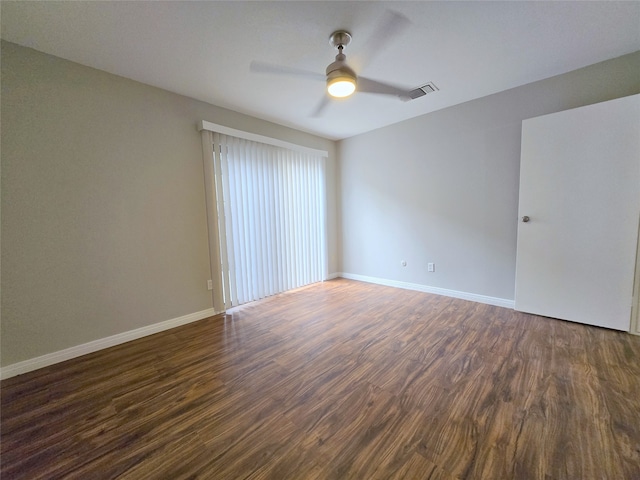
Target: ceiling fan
{"type": "Point", "coordinates": [342, 81]}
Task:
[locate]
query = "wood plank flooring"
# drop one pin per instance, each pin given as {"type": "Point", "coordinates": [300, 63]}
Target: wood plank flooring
{"type": "Point", "coordinates": [337, 380]}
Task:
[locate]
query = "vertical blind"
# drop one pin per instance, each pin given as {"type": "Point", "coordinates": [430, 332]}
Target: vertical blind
{"type": "Point", "coordinates": [270, 209]}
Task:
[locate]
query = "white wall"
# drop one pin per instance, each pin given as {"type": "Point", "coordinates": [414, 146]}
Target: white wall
{"type": "Point", "coordinates": [103, 215]}
{"type": "Point", "coordinates": [443, 187]}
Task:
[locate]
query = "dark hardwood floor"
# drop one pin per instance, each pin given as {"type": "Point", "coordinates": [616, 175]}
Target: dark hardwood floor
{"type": "Point", "coordinates": [337, 380]}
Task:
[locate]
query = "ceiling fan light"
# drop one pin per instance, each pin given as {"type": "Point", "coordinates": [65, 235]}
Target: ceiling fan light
{"type": "Point", "coordinates": [341, 86]}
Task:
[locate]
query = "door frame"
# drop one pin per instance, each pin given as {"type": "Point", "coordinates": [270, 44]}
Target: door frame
{"type": "Point", "coordinates": [635, 306]}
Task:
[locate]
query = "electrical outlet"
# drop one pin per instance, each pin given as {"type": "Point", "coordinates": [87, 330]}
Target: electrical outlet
{"type": "Point", "coordinates": [431, 267]}
{"type": "Point", "coordinates": [209, 285]}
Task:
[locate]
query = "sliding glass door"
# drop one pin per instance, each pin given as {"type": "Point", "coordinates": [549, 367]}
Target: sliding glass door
{"type": "Point", "coordinates": [270, 206]}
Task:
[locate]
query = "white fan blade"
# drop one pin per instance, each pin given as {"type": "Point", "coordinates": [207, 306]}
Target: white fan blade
{"type": "Point", "coordinates": [390, 25]}
{"type": "Point", "coordinates": [261, 67]}
{"type": "Point", "coordinates": [321, 106]}
{"type": "Point", "coordinates": [373, 86]}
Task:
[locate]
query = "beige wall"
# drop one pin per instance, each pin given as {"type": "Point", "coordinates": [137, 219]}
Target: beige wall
{"type": "Point", "coordinates": [103, 215]}
{"type": "Point", "coordinates": [443, 187]}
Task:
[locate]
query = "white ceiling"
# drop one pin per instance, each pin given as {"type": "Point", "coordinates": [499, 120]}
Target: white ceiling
{"type": "Point", "coordinates": [203, 49]}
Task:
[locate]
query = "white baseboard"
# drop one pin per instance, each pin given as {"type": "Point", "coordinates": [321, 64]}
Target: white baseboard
{"type": "Point", "coordinates": [474, 297]}
{"type": "Point", "coordinates": [100, 344]}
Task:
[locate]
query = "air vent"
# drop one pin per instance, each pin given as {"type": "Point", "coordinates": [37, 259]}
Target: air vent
{"type": "Point", "coordinates": [423, 90]}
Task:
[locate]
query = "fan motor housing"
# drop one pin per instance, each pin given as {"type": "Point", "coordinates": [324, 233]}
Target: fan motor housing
{"type": "Point", "coordinates": [339, 68]}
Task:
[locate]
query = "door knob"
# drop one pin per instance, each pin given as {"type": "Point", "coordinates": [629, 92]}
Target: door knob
{"type": "Point", "coordinates": [525, 219]}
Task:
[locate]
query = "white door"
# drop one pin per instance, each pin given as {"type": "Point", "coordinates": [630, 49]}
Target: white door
{"type": "Point", "coordinates": [580, 189]}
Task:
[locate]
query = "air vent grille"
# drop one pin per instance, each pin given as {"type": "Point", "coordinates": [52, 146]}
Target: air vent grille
{"type": "Point", "coordinates": [423, 90]}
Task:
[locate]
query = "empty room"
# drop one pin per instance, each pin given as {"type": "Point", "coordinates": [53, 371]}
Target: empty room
{"type": "Point", "coordinates": [320, 240]}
